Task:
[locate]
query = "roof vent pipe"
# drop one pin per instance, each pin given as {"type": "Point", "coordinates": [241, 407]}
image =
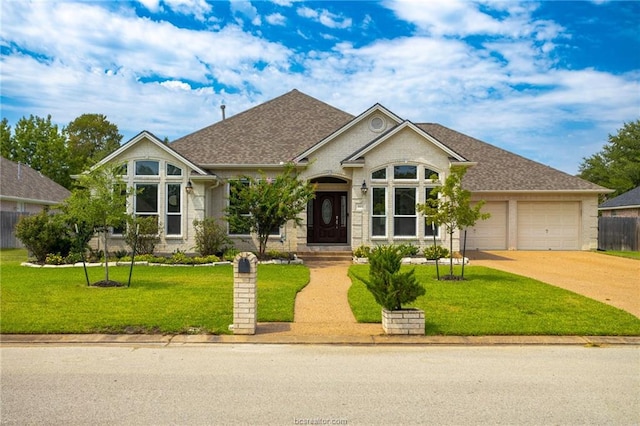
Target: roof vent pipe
{"type": "Point", "coordinates": [222, 107]}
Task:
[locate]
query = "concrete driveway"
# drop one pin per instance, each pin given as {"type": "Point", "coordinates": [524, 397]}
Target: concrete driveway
{"type": "Point", "coordinates": [608, 279]}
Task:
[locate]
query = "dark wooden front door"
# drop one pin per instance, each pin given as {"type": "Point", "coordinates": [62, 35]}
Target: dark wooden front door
{"type": "Point", "coordinates": [328, 222]}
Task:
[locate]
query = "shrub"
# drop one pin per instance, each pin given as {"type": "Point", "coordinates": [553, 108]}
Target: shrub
{"type": "Point", "coordinates": [73, 258]}
{"type": "Point", "coordinates": [408, 250]}
{"type": "Point", "coordinates": [435, 252]}
{"type": "Point", "coordinates": [390, 287]}
{"type": "Point", "coordinates": [210, 236]}
{"type": "Point", "coordinates": [54, 259]}
{"type": "Point", "coordinates": [230, 254]}
{"type": "Point", "coordinates": [362, 251]}
{"type": "Point", "coordinates": [147, 232]}
{"type": "Point", "coordinates": [43, 234]}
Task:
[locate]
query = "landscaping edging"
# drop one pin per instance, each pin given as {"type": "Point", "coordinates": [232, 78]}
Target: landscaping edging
{"type": "Point", "coordinates": [417, 261]}
{"type": "Point", "coordinates": [145, 263]}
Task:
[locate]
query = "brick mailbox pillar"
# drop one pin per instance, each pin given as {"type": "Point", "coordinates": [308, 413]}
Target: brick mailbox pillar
{"type": "Point", "coordinates": [245, 294]}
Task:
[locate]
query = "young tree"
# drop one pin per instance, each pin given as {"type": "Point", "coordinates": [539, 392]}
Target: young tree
{"type": "Point", "coordinates": [617, 166]}
{"type": "Point", "coordinates": [453, 208]}
{"type": "Point", "coordinates": [261, 205]}
{"type": "Point", "coordinates": [100, 203]}
{"type": "Point", "coordinates": [91, 137]}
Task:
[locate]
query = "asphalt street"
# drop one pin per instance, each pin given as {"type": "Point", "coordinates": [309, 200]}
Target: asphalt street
{"type": "Point", "coordinates": [319, 384]}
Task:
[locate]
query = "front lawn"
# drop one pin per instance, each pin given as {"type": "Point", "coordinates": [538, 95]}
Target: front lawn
{"type": "Point", "coordinates": [491, 302]}
{"type": "Point", "coordinates": [160, 300]}
{"type": "Point", "coordinates": [627, 254]}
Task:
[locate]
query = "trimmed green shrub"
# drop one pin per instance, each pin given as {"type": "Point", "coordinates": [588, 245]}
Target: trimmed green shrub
{"type": "Point", "coordinates": [408, 250]}
{"type": "Point", "coordinates": [390, 287]}
{"type": "Point", "coordinates": [44, 234]}
{"type": "Point", "coordinates": [147, 232]}
{"type": "Point", "coordinates": [211, 237]}
{"type": "Point", "coordinates": [435, 252]}
{"type": "Point", "coordinates": [362, 251]}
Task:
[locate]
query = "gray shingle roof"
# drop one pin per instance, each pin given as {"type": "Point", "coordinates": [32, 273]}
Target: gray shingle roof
{"type": "Point", "coordinates": [270, 133]}
{"type": "Point", "coordinates": [21, 181]}
{"type": "Point", "coordinates": [278, 130]}
{"type": "Point", "coordinates": [501, 170]}
{"type": "Point", "coordinates": [629, 198]}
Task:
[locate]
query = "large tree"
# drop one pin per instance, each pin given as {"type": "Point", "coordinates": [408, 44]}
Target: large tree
{"type": "Point", "coordinates": [5, 139]}
{"type": "Point", "coordinates": [617, 166]}
{"type": "Point", "coordinates": [41, 145]}
{"type": "Point", "coordinates": [263, 204]}
{"type": "Point", "coordinates": [91, 137]}
{"type": "Point", "coordinates": [452, 208]}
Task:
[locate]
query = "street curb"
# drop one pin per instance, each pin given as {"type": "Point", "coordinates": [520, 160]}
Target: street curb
{"type": "Point", "coordinates": [372, 340]}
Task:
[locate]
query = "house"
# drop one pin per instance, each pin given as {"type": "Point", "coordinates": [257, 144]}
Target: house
{"type": "Point", "coordinates": [24, 191]}
{"type": "Point", "coordinates": [369, 170]}
{"type": "Point", "coordinates": [624, 205]}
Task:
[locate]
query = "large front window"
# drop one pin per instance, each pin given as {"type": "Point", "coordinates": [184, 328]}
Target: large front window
{"type": "Point", "coordinates": [396, 189]}
{"type": "Point", "coordinates": [146, 199]}
{"type": "Point", "coordinates": [404, 212]}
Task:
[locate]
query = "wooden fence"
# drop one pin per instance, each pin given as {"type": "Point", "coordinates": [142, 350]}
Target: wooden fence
{"type": "Point", "coordinates": [8, 221]}
{"type": "Point", "coordinates": [619, 233]}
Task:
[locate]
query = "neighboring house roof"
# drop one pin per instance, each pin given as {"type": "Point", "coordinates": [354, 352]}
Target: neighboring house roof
{"type": "Point", "coordinates": [628, 200]}
{"type": "Point", "coordinates": [268, 134]}
{"type": "Point", "coordinates": [22, 183]}
{"type": "Point", "coordinates": [293, 125]}
{"type": "Point", "coordinates": [501, 170]}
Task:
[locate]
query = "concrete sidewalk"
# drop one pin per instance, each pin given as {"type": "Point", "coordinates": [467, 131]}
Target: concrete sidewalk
{"type": "Point", "coordinates": [265, 337]}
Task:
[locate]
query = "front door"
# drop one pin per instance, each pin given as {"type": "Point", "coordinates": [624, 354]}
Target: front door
{"type": "Point", "coordinates": [329, 218]}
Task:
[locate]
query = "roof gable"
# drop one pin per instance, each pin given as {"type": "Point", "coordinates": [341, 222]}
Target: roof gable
{"type": "Point", "coordinates": [394, 131]}
{"type": "Point", "coordinates": [376, 109]}
{"type": "Point", "coordinates": [20, 182]}
{"type": "Point", "coordinates": [628, 199]}
{"type": "Point", "coordinates": [268, 134]}
{"type": "Point", "coordinates": [148, 136]}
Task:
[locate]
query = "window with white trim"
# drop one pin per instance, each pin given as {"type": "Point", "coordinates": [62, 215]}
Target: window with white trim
{"type": "Point", "coordinates": [174, 209]}
{"type": "Point", "coordinates": [146, 199]}
{"type": "Point", "coordinates": [379, 212]}
{"type": "Point", "coordinates": [404, 212]}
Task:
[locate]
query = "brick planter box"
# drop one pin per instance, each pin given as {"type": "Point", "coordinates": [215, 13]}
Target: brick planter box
{"type": "Point", "coordinates": [404, 321]}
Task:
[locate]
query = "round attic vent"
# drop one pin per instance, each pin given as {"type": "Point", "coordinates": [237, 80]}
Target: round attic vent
{"type": "Point", "coordinates": [377, 124]}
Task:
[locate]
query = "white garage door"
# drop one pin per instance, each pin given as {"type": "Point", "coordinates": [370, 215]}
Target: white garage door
{"type": "Point", "coordinates": [549, 226]}
{"type": "Point", "coordinates": [490, 234]}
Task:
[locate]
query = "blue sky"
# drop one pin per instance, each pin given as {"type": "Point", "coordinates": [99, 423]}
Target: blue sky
{"type": "Point", "coordinates": [548, 80]}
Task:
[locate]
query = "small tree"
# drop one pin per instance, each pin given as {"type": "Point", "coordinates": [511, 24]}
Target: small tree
{"type": "Point", "coordinates": [453, 208]}
{"type": "Point", "coordinates": [264, 204]}
{"type": "Point", "coordinates": [390, 287]}
{"type": "Point", "coordinates": [100, 203]}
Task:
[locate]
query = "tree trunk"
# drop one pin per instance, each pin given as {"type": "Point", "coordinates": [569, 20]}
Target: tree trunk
{"type": "Point", "coordinates": [106, 257]}
{"type": "Point", "coordinates": [451, 254]}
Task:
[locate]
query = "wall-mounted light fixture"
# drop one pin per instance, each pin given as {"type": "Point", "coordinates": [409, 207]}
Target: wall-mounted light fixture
{"type": "Point", "coordinates": [364, 188]}
{"type": "Point", "coordinates": [189, 188]}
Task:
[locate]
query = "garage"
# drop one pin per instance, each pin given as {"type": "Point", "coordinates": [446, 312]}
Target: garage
{"type": "Point", "coordinates": [549, 225]}
{"type": "Point", "coordinates": [490, 234]}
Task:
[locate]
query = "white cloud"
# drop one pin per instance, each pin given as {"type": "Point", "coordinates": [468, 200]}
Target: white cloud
{"type": "Point", "coordinates": [276, 19]}
{"type": "Point", "coordinates": [247, 10]}
{"type": "Point", "coordinates": [326, 18]}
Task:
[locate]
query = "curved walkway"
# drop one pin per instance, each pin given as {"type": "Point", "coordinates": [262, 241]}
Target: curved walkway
{"type": "Point", "coordinates": [322, 307]}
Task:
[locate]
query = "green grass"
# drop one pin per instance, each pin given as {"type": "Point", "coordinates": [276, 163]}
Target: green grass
{"type": "Point", "coordinates": [160, 299]}
{"type": "Point", "coordinates": [627, 254]}
{"type": "Point", "coordinates": [491, 302]}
